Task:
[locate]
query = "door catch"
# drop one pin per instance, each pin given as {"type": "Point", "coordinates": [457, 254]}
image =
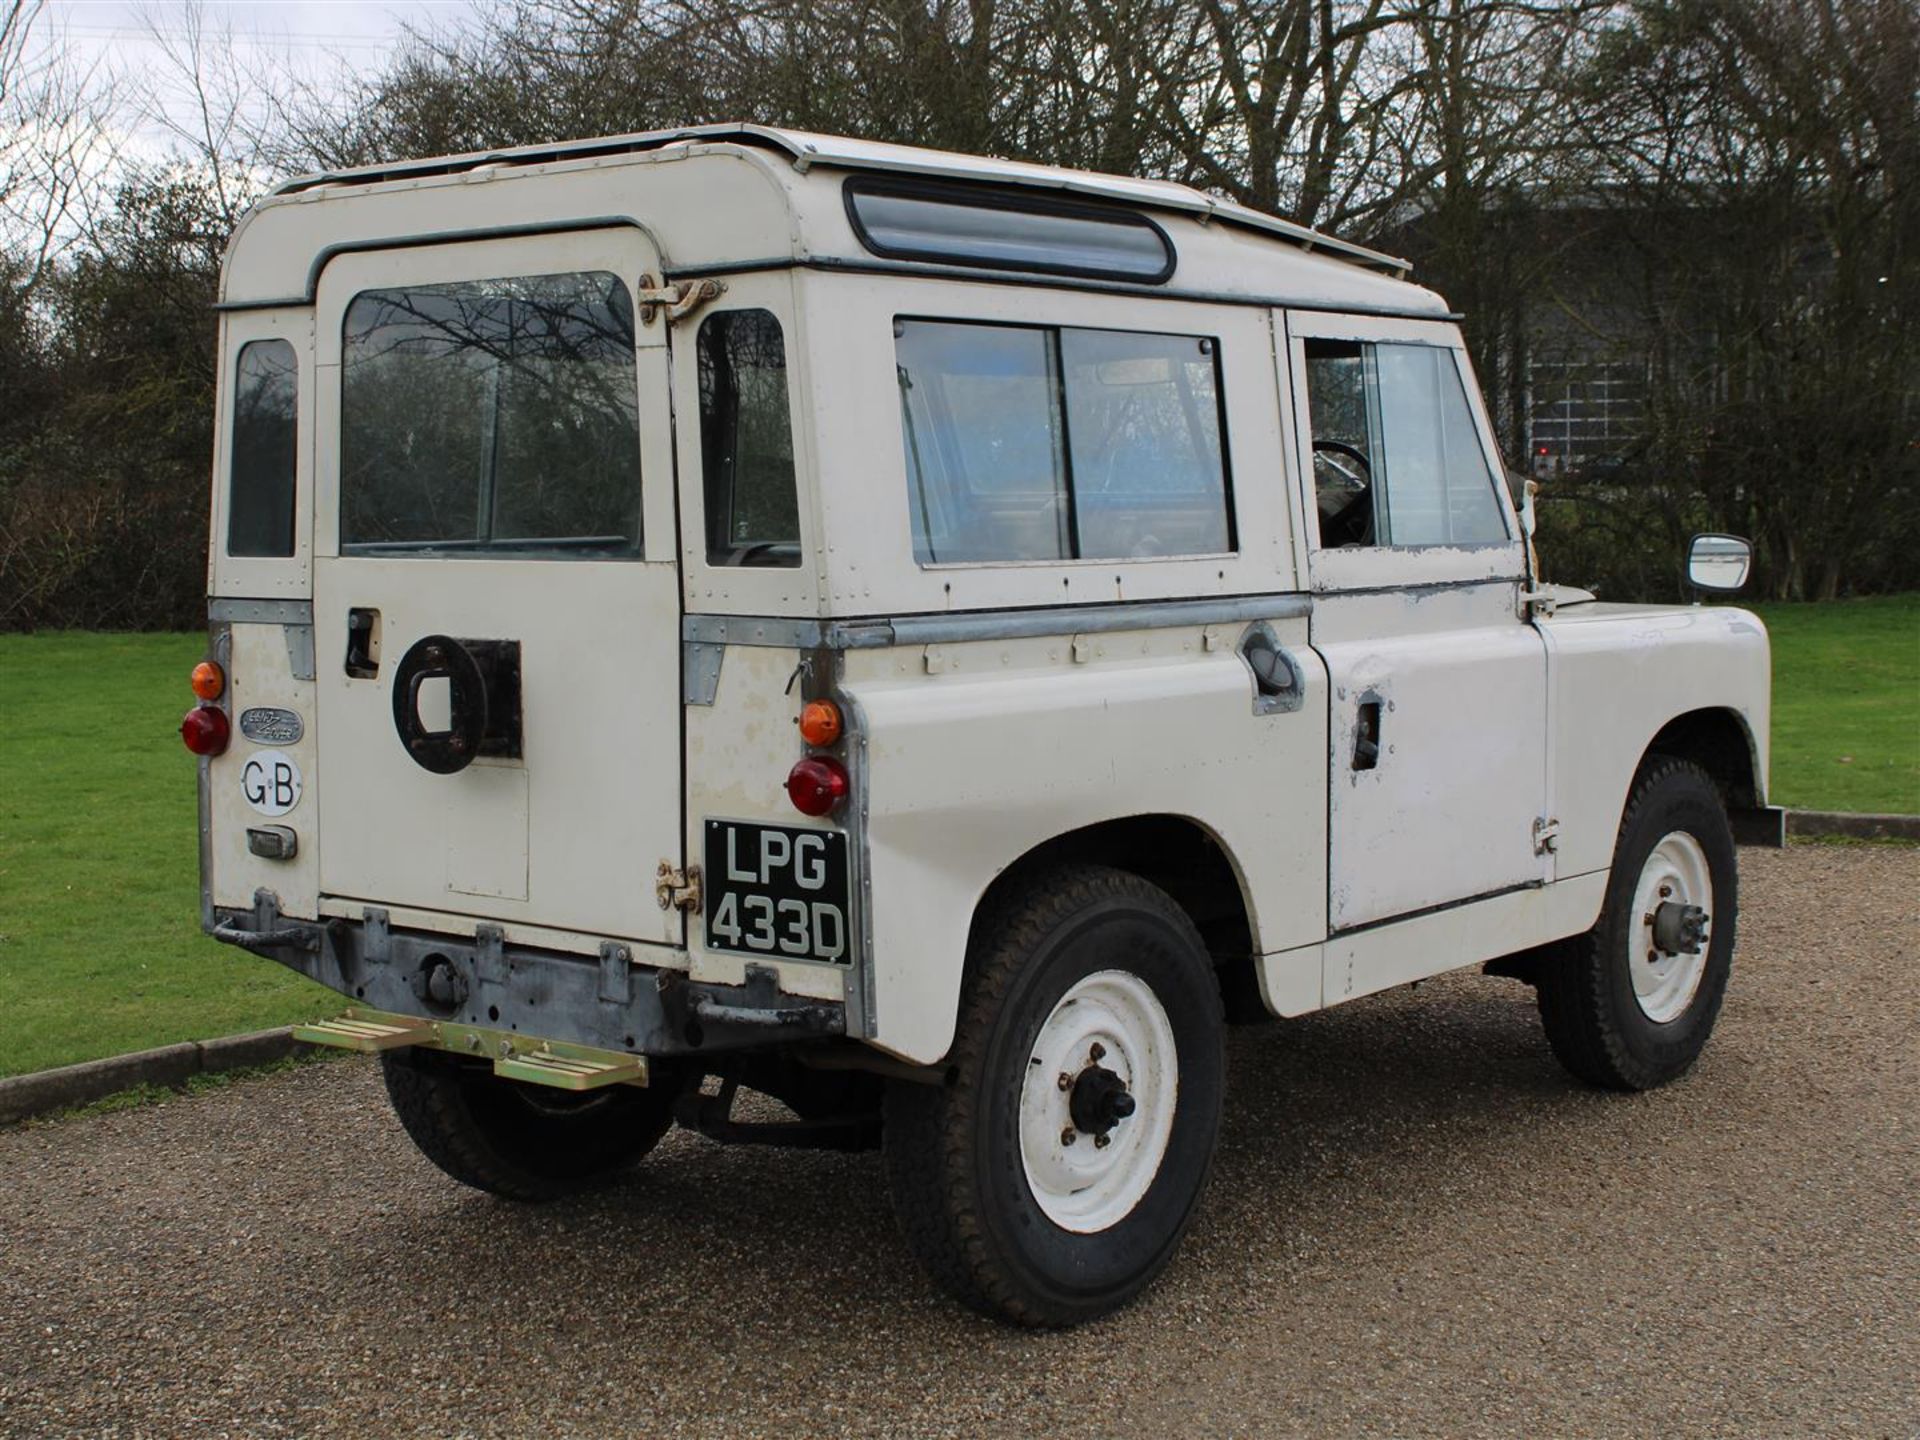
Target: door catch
{"type": "Point", "coordinates": [363, 643]}
{"type": "Point", "coordinates": [1546, 835]}
{"type": "Point", "coordinates": [679, 301]}
{"type": "Point", "coordinates": [1366, 736]}
{"type": "Point", "coordinates": [677, 889]}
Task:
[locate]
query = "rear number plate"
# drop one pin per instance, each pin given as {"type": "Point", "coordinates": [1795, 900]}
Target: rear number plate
{"type": "Point", "coordinates": [776, 890]}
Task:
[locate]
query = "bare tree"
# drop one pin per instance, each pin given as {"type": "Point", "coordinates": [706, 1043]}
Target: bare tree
{"type": "Point", "coordinates": [57, 140]}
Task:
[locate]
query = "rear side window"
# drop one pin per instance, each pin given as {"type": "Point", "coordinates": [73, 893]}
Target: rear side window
{"type": "Point", "coordinates": [1034, 443]}
{"type": "Point", "coordinates": [495, 417]}
{"type": "Point", "coordinates": [746, 441]}
{"type": "Point", "coordinates": [1396, 457]}
{"type": "Point", "coordinates": [261, 471]}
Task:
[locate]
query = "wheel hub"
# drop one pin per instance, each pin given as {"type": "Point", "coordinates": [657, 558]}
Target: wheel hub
{"type": "Point", "coordinates": [1099, 1100]}
{"type": "Point", "coordinates": [1666, 950]}
{"type": "Point", "coordinates": [1679, 929]}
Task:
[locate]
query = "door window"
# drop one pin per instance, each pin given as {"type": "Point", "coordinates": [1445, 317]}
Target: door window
{"type": "Point", "coordinates": [1031, 443]}
{"type": "Point", "coordinates": [494, 417]}
{"type": "Point", "coordinates": [1397, 459]}
{"type": "Point", "coordinates": [746, 441]}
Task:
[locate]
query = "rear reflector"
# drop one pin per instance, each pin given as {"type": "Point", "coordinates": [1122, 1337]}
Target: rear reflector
{"type": "Point", "coordinates": [206, 730]}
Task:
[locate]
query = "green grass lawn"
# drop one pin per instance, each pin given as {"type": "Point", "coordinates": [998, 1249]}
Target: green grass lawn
{"type": "Point", "coordinates": [1846, 704]}
{"type": "Point", "coordinates": [100, 944]}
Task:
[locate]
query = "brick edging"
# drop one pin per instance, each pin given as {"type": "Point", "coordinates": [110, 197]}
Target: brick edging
{"type": "Point", "coordinates": [1851, 826]}
{"type": "Point", "coordinates": [24, 1096]}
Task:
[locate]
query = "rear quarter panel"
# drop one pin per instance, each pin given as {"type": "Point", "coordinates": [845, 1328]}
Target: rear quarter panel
{"type": "Point", "coordinates": [1616, 675]}
{"type": "Point", "coordinates": [980, 752]}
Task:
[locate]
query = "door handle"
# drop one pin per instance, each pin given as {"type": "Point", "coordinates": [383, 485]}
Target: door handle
{"type": "Point", "coordinates": [363, 643]}
{"type": "Point", "coordinates": [1366, 736]}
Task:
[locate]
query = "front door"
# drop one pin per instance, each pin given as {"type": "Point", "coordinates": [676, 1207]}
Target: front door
{"type": "Point", "coordinates": [496, 595]}
{"type": "Point", "coordinates": [1437, 762]}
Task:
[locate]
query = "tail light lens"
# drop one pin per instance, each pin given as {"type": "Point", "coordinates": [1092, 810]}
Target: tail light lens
{"type": "Point", "coordinates": [209, 680]}
{"type": "Point", "coordinates": [817, 784]}
{"type": "Point", "coordinates": [206, 730]}
{"type": "Point", "coordinates": [820, 723]}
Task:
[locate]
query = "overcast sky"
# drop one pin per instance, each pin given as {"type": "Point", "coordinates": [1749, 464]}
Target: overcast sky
{"type": "Point", "coordinates": [272, 37]}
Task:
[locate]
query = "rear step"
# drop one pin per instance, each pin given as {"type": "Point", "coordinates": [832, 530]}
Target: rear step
{"type": "Point", "coordinates": [526, 1058]}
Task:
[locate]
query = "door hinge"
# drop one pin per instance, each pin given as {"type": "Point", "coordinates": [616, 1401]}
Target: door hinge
{"type": "Point", "coordinates": [679, 301]}
{"type": "Point", "coordinates": [1538, 604]}
{"type": "Point", "coordinates": [677, 889]}
{"type": "Point", "coordinates": [1546, 835]}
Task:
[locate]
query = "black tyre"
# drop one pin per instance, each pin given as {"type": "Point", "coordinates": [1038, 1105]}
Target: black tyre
{"type": "Point", "coordinates": [1052, 1177]}
{"type": "Point", "coordinates": [523, 1142]}
{"type": "Point", "coordinates": [1630, 1004]}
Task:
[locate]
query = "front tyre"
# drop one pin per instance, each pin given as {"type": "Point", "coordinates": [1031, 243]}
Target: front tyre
{"type": "Point", "coordinates": [1051, 1179]}
{"type": "Point", "coordinates": [522, 1142]}
{"type": "Point", "coordinates": [1630, 1004]}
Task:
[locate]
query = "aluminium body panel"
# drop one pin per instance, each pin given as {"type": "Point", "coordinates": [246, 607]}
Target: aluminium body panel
{"type": "Point", "coordinates": [983, 750]}
{"type": "Point", "coordinates": [868, 566]}
{"type": "Point", "coordinates": [1620, 673]}
{"type": "Point", "coordinates": [260, 677]}
{"type": "Point", "coordinates": [1436, 767]}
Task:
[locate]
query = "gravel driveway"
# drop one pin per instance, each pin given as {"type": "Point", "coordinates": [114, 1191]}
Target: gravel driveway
{"type": "Point", "coordinates": [1416, 1226]}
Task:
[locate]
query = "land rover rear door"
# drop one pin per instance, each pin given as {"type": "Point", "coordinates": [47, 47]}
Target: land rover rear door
{"type": "Point", "coordinates": [496, 597]}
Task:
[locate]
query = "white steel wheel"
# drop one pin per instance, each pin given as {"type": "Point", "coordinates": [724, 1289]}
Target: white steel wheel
{"type": "Point", "coordinates": [1097, 1103]}
{"type": "Point", "coordinates": [1666, 965]}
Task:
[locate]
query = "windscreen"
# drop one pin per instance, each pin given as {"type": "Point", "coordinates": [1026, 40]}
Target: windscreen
{"type": "Point", "coordinates": [491, 417]}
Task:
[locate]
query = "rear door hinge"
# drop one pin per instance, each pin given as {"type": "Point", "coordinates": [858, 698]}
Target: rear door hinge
{"type": "Point", "coordinates": [677, 889]}
{"type": "Point", "coordinates": [1538, 604]}
{"type": "Point", "coordinates": [679, 301]}
{"type": "Point", "coordinates": [1546, 835]}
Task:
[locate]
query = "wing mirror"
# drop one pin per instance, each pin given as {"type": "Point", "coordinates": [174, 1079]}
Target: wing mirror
{"type": "Point", "coordinates": [1719, 563]}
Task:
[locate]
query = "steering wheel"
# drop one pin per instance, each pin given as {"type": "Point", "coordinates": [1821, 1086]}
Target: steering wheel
{"type": "Point", "coordinates": [1351, 521]}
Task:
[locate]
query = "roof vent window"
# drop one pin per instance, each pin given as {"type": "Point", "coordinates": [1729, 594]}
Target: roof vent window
{"type": "Point", "coordinates": [958, 225]}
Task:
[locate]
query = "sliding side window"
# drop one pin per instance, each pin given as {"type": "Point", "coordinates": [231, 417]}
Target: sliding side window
{"type": "Point", "coordinates": [746, 441]}
{"type": "Point", "coordinates": [1396, 457]}
{"type": "Point", "coordinates": [1034, 443]}
{"type": "Point", "coordinates": [262, 464]}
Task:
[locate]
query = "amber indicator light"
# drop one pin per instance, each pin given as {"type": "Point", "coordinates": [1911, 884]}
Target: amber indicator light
{"type": "Point", "coordinates": [820, 722]}
{"type": "Point", "coordinates": [209, 680]}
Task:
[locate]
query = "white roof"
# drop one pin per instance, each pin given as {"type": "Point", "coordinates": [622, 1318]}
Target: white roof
{"type": "Point", "coordinates": [744, 197]}
{"type": "Point", "coordinates": [843, 153]}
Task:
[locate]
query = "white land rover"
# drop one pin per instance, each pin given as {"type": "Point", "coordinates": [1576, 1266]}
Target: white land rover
{"type": "Point", "coordinates": [925, 638]}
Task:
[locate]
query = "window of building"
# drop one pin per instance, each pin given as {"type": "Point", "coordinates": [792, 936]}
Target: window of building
{"type": "Point", "coordinates": [260, 493]}
{"type": "Point", "coordinates": [1035, 443]}
{"type": "Point", "coordinates": [491, 417]}
{"type": "Point", "coordinates": [1397, 459]}
{"type": "Point", "coordinates": [746, 441]}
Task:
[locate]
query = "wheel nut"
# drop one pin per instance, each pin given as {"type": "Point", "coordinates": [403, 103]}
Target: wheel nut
{"type": "Point", "coordinates": [1097, 1051]}
{"type": "Point", "coordinates": [1100, 1142]}
{"type": "Point", "coordinates": [1653, 957]}
{"type": "Point", "coordinates": [1666, 892]}
{"type": "Point", "coordinates": [1069, 1135]}
{"type": "Point", "coordinates": [1066, 1081]}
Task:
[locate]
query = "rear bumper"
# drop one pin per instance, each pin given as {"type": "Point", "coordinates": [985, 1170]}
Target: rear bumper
{"type": "Point", "coordinates": [609, 1003]}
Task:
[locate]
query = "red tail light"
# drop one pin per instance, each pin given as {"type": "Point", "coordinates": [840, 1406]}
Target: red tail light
{"type": "Point", "coordinates": [817, 784]}
{"type": "Point", "coordinates": [206, 730]}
